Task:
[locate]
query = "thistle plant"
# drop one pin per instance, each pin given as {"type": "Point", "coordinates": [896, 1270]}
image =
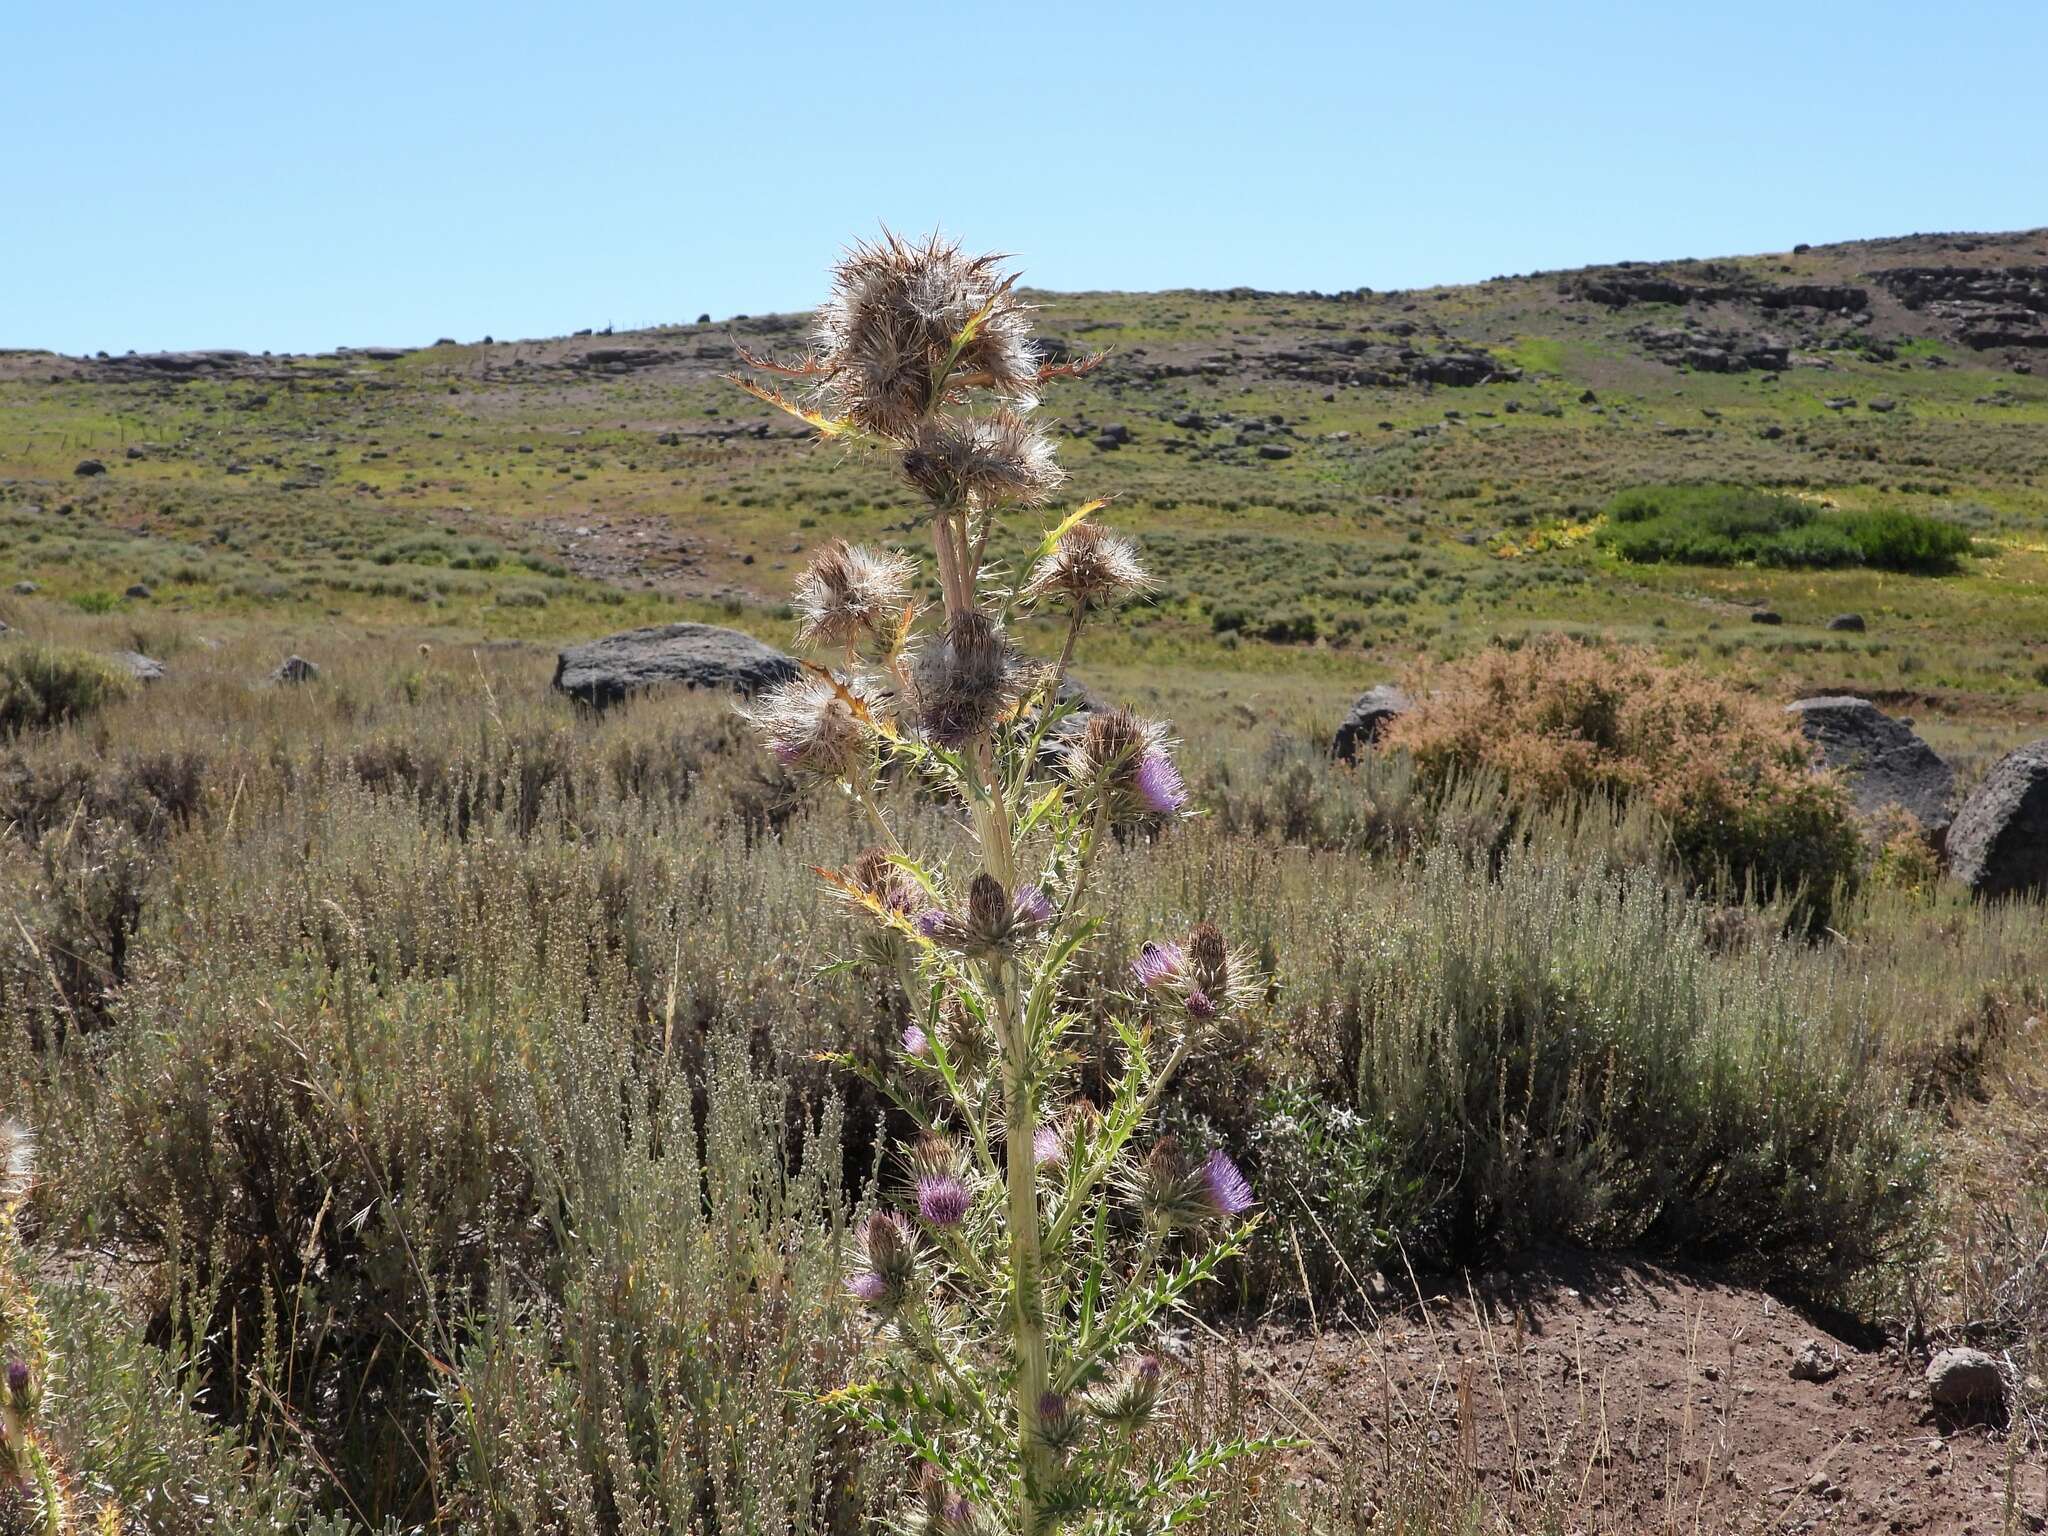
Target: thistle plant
{"type": "Point", "coordinates": [33, 1498]}
{"type": "Point", "coordinates": [1034, 1245]}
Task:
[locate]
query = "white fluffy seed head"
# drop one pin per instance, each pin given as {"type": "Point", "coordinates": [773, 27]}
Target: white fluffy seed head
{"type": "Point", "coordinates": [897, 310]}
{"type": "Point", "coordinates": [850, 595]}
{"type": "Point", "coordinates": [1088, 565]}
{"type": "Point", "coordinates": [815, 727]}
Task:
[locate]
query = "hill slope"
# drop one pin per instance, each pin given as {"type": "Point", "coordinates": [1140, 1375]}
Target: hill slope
{"type": "Point", "coordinates": [1328, 484]}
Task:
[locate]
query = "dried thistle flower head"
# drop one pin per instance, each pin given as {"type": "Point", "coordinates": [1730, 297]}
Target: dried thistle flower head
{"type": "Point", "coordinates": [850, 595]}
{"type": "Point", "coordinates": [898, 310]}
{"type": "Point", "coordinates": [815, 725]}
{"type": "Point", "coordinates": [960, 683]}
{"type": "Point", "coordinates": [1088, 566]}
{"type": "Point", "coordinates": [989, 461]}
{"type": "Point", "coordinates": [875, 874]}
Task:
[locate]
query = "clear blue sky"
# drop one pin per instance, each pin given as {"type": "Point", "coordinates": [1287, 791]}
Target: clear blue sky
{"type": "Point", "coordinates": [301, 175]}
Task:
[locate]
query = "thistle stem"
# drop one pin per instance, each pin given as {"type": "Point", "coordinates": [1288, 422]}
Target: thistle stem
{"type": "Point", "coordinates": [1027, 1297]}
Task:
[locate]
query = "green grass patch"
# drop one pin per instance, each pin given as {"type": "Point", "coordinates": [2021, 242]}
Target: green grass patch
{"type": "Point", "coordinates": [1736, 525]}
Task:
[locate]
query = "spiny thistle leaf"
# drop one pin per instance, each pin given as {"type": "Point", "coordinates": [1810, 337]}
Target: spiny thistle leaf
{"type": "Point", "coordinates": [1067, 524]}
{"type": "Point", "coordinates": [823, 425]}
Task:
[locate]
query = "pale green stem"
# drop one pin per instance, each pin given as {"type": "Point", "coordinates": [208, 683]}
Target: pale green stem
{"type": "Point", "coordinates": [1027, 1299]}
{"type": "Point", "coordinates": [866, 796]}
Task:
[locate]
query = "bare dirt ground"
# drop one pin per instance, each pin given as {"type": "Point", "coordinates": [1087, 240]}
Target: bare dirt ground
{"type": "Point", "coordinates": [1586, 1394]}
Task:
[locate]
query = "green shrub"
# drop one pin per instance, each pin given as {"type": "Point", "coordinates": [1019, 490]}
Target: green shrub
{"type": "Point", "coordinates": [1560, 1052]}
{"type": "Point", "coordinates": [1893, 540]}
{"type": "Point", "coordinates": [41, 686]}
{"type": "Point", "coordinates": [1733, 525]}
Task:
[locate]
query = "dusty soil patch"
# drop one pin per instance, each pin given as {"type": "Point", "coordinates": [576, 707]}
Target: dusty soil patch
{"type": "Point", "coordinates": [1600, 1395]}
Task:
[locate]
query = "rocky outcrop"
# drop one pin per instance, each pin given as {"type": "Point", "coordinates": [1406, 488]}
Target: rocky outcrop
{"type": "Point", "coordinates": [1710, 283]}
{"type": "Point", "coordinates": [1998, 845]}
{"type": "Point", "coordinates": [1713, 351]}
{"type": "Point", "coordinates": [1985, 307]}
{"type": "Point", "coordinates": [1883, 761]}
{"type": "Point", "coordinates": [605, 671]}
{"type": "Point", "coordinates": [1371, 714]}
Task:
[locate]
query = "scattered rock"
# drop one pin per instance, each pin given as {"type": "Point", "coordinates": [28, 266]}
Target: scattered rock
{"type": "Point", "coordinates": [1375, 710]}
{"type": "Point", "coordinates": [89, 467]}
{"type": "Point", "coordinates": [1883, 761]}
{"type": "Point", "coordinates": [295, 669]}
{"type": "Point", "coordinates": [139, 589]}
{"type": "Point", "coordinates": [1881, 405]}
{"type": "Point", "coordinates": [1963, 1379]}
{"type": "Point", "coordinates": [1850, 622]}
{"type": "Point", "coordinates": [1998, 845]}
{"type": "Point", "coordinates": [24, 589]}
{"type": "Point", "coordinates": [144, 668]}
{"type": "Point", "coordinates": [605, 671]}
{"type": "Point", "coordinates": [1816, 1363]}
{"type": "Point", "coordinates": [1766, 616]}
{"type": "Point", "coordinates": [1275, 451]}
{"type": "Point", "coordinates": [135, 451]}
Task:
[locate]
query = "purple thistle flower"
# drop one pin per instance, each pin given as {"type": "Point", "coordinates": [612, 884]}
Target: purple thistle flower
{"type": "Point", "coordinates": [1158, 964]}
{"type": "Point", "coordinates": [933, 921]}
{"type": "Point", "coordinates": [1159, 784]}
{"type": "Point", "coordinates": [1226, 1187]}
{"type": "Point", "coordinates": [1199, 1005]}
{"type": "Point", "coordinates": [17, 1377]}
{"type": "Point", "coordinates": [942, 1199]}
{"type": "Point", "coordinates": [1148, 1369]}
{"type": "Point", "coordinates": [916, 1041]}
{"type": "Point", "coordinates": [1033, 906]}
{"type": "Point", "coordinates": [958, 1512]}
{"type": "Point", "coordinates": [1046, 1147]}
{"type": "Point", "coordinates": [868, 1287]}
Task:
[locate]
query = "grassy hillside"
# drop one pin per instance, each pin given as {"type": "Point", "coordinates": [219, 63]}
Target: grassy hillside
{"type": "Point", "coordinates": [1330, 485]}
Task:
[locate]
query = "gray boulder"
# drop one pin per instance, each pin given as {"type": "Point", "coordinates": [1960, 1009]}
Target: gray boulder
{"type": "Point", "coordinates": [143, 668]}
{"type": "Point", "coordinates": [1998, 845]}
{"type": "Point", "coordinates": [1963, 1379]}
{"type": "Point", "coordinates": [1374, 711]}
{"type": "Point", "coordinates": [1852, 622]}
{"type": "Point", "coordinates": [295, 669]}
{"type": "Point", "coordinates": [605, 671]}
{"type": "Point", "coordinates": [1884, 762]}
